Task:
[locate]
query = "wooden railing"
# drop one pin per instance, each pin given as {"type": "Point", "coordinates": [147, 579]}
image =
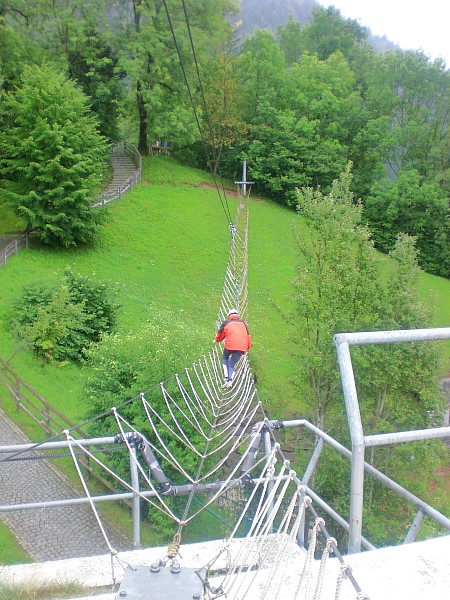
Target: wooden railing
{"type": "Point", "coordinates": [36, 407]}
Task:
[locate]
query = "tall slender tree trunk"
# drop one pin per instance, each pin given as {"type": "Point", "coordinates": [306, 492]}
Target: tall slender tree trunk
{"type": "Point", "coordinates": [143, 122]}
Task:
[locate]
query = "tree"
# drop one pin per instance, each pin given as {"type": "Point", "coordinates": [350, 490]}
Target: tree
{"type": "Point", "coordinates": [93, 65]}
{"type": "Point", "coordinates": [399, 382]}
{"type": "Point", "coordinates": [71, 34]}
{"type": "Point", "coordinates": [126, 364]}
{"type": "Point", "coordinates": [300, 133]}
{"type": "Point", "coordinates": [415, 95]}
{"type": "Point", "coordinates": [290, 37]}
{"type": "Point", "coordinates": [339, 287]}
{"type": "Point", "coordinates": [261, 70]}
{"type": "Point", "coordinates": [52, 157]}
{"type": "Point", "coordinates": [287, 152]}
{"type": "Point", "coordinates": [411, 205]}
{"type": "Point", "coordinates": [16, 47]}
{"type": "Point", "coordinates": [291, 41]}
{"type": "Point", "coordinates": [223, 127]}
{"type": "Point", "coordinates": [329, 32]}
{"type": "Point", "coordinates": [151, 61]}
{"type": "Point", "coordinates": [336, 288]}
{"type": "Point", "coordinates": [398, 386]}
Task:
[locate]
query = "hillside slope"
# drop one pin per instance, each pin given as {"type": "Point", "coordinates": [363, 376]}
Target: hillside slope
{"type": "Point", "coordinates": [164, 250]}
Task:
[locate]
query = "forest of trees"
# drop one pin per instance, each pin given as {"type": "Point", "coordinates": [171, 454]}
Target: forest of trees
{"type": "Point", "coordinates": [298, 105]}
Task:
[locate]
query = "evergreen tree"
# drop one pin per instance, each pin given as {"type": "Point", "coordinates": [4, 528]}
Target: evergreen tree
{"type": "Point", "coordinates": [52, 157]}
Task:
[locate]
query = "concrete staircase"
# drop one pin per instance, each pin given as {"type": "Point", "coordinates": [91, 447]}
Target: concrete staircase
{"type": "Point", "coordinates": [125, 173]}
{"type": "Point", "coordinates": [123, 168]}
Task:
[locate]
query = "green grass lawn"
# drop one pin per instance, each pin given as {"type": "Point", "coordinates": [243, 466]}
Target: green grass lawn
{"type": "Point", "coordinates": [10, 551]}
{"type": "Point", "coordinates": [164, 247]}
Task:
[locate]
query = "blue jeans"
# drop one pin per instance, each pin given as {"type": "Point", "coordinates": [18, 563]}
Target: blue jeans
{"type": "Point", "coordinates": [230, 358]}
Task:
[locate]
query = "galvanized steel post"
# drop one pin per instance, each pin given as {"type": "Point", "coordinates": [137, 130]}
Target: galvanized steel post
{"type": "Point", "coordinates": [357, 439]}
{"type": "Point", "coordinates": [136, 497]}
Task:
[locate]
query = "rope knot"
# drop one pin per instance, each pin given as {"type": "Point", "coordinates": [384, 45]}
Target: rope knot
{"type": "Point", "coordinates": [318, 522]}
{"type": "Point", "coordinates": [331, 544]}
{"type": "Point", "coordinates": [174, 547]}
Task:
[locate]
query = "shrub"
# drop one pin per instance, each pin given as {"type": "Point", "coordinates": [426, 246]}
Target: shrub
{"type": "Point", "coordinates": [60, 324]}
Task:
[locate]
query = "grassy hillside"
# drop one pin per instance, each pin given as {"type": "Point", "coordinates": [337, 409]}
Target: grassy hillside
{"type": "Point", "coordinates": [164, 250]}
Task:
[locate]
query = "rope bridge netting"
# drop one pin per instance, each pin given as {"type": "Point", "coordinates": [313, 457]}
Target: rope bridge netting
{"type": "Point", "coordinates": [206, 445]}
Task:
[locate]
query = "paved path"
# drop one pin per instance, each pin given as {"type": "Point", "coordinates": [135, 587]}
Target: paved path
{"type": "Point", "coordinates": [47, 533]}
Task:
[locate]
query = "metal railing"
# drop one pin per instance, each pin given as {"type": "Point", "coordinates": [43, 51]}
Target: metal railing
{"type": "Point", "coordinates": [118, 191]}
{"type": "Point", "coordinates": [49, 419]}
{"type": "Point", "coordinates": [423, 509]}
{"type": "Point", "coordinates": [359, 441]}
{"type": "Point", "coordinates": [13, 248]}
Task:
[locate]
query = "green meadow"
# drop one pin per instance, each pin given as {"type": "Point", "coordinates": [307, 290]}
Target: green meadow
{"type": "Point", "coordinates": [164, 249]}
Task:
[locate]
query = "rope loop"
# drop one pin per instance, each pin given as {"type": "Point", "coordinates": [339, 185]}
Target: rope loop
{"type": "Point", "coordinates": [345, 569]}
{"type": "Point", "coordinates": [362, 596]}
{"type": "Point", "coordinates": [307, 501]}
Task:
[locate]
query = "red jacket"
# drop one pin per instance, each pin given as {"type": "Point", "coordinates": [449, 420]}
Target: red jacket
{"type": "Point", "coordinates": [235, 333]}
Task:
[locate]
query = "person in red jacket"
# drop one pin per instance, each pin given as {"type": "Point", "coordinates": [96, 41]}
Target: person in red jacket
{"type": "Point", "coordinates": [237, 339]}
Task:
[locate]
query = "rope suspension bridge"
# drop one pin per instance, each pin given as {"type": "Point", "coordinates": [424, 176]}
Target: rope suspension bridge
{"type": "Point", "coordinates": [206, 445]}
{"type": "Point", "coordinates": [201, 445]}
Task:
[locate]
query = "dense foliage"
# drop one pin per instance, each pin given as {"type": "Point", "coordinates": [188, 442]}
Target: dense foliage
{"type": "Point", "coordinates": [122, 366]}
{"type": "Point", "coordinates": [297, 104]}
{"type": "Point", "coordinates": [339, 287]}
{"type": "Point", "coordinates": [61, 323]}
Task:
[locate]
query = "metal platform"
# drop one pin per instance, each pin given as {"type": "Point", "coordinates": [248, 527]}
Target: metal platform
{"type": "Point", "coordinates": [174, 583]}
